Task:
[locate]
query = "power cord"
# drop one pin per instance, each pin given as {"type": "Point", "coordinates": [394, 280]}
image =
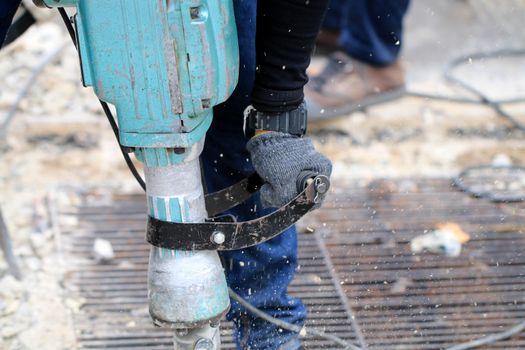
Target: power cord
{"type": "Point", "coordinates": [302, 331]}
{"type": "Point", "coordinates": [483, 99]}
{"type": "Point", "coordinates": [496, 105]}
{"type": "Point", "coordinates": [35, 73]}
{"type": "Point", "coordinates": [504, 191]}
{"type": "Point", "coordinates": [489, 339]}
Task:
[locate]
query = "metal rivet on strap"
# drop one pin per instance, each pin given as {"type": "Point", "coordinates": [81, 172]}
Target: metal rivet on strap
{"type": "Point", "coordinates": [218, 237]}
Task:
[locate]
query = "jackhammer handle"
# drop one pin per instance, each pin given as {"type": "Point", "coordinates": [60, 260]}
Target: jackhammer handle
{"type": "Point", "coordinates": [306, 177]}
{"type": "Point", "coordinates": [303, 179]}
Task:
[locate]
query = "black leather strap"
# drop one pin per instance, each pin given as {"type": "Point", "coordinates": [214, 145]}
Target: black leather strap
{"type": "Point", "coordinates": [227, 235]}
{"type": "Point", "coordinates": [227, 198]}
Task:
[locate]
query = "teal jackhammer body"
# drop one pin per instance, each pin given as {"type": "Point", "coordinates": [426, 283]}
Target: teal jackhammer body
{"type": "Point", "coordinates": [164, 65]}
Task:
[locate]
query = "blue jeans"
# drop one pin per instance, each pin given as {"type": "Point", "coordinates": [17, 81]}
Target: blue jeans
{"type": "Point", "coordinates": [260, 274]}
{"type": "Point", "coordinates": [371, 30]}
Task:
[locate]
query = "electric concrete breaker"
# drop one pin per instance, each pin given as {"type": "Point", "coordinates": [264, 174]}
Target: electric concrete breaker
{"type": "Point", "coordinates": [164, 65]}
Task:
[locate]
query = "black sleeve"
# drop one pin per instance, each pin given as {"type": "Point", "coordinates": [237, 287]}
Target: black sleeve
{"type": "Point", "coordinates": [285, 38]}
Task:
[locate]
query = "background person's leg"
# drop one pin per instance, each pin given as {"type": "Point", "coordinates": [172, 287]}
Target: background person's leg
{"type": "Point", "coordinates": [363, 68]}
{"type": "Point", "coordinates": [260, 274]}
{"type": "Point", "coordinates": [372, 30]}
{"type": "Point", "coordinates": [330, 30]}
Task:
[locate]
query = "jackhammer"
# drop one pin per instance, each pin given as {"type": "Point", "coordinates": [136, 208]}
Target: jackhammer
{"type": "Point", "coordinates": [163, 65]}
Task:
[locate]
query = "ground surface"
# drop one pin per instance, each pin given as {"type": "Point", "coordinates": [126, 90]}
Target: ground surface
{"type": "Point", "coordinates": [59, 139]}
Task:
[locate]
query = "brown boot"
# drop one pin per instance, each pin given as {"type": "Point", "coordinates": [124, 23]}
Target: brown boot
{"type": "Point", "coordinates": [346, 85]}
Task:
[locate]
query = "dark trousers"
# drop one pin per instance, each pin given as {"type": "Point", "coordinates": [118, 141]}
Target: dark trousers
{"type": "Point", "coordinates": [371, 30]}
{"type": "Point", "coordinates": [260, 274]}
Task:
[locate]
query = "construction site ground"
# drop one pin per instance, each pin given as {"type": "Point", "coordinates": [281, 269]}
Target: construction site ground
{"type": "Point", "coordinates": [59, 156]}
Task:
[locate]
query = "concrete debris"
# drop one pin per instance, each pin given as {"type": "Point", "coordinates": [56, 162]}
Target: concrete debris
{"type": "Point", "coordinates": [501, 160]}
{"type": "Point", "coordinates": [102, 251]}
{"type": "Point", "coordinates": [446, 239]}
{"type": "Point", "coordinates": [74, 305]}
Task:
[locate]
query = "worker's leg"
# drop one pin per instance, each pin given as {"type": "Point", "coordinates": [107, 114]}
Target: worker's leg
{"type": "Point", "coordinates": [7, 12]}
{"type": "Point", "coordinates": [260, 274]}
{"type": "Point", "coordinates": [371, 30]}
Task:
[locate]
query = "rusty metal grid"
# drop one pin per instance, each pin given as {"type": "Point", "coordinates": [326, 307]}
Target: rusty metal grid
{"type": "Point", "coordinates": [399, 300]}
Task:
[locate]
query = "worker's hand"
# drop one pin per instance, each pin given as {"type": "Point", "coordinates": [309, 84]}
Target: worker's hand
{"type": "Point", "coordinates": [279, 159]}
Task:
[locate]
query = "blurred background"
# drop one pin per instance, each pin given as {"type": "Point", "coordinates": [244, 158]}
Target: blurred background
{"type": "Point", "coordinates": [57, 148]}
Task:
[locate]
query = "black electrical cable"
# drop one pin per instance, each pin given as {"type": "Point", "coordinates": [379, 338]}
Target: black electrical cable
{"type": "Point", "coordinates": [302, 331]}
{"type": "Point", "coordinates": [105, 107]}
{"type": "Point", "coordinates": [484, 99]}
{"type": "Point", "coordinates": [69, 27]}
{"type": "Point", "coordinates": [35, 73]}
{"type": "Point", "coordinates": [464, 100]}
{"type": "Point", "coordinates": [496, 105]}
{"type": "Point", "coordinates": [489, 339]}
{"type": "Point", "coordinates": [127, 158]}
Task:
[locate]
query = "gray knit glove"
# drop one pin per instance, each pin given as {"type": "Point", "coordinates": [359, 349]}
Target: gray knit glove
{"type": "Point", "coordinates": [279, 159]}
